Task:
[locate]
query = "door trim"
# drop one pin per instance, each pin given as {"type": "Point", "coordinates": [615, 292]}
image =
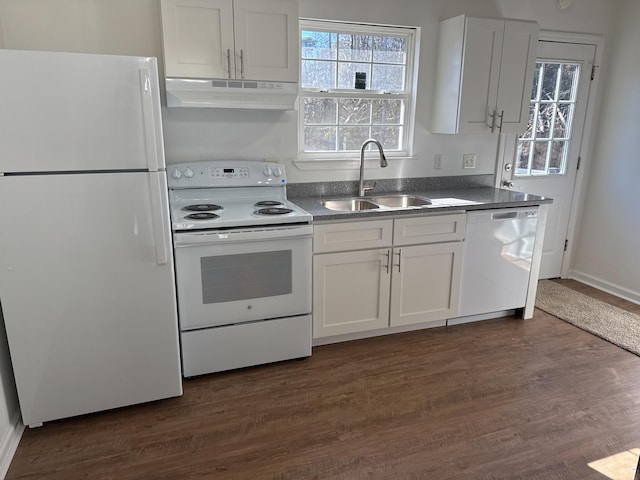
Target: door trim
{"type": "Point", "coordinates": [580, 186]}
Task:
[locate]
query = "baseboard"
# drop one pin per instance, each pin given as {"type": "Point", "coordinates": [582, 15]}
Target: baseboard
{"type": "Point", "coordinates": [605, 286]}
{"type": "Point", "coordinates": [9, 443]}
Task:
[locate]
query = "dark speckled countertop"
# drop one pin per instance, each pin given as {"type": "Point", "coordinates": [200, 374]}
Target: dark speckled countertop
{"type": "Point", "coordinates": [468, 193]}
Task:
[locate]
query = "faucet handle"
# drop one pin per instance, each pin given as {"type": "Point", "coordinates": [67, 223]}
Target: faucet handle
{"type": "Point", "coordinates": [368, 187]}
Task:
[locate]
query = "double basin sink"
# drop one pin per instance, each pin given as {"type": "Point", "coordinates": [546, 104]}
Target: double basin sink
{"type": "Point", "coordinates": [374, 203]}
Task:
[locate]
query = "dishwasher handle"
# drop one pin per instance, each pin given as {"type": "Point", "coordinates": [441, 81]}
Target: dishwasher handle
{"type": "Point", "coordinates": [504, 215]}
{"type": "Point", "coordinates": [501, 215]}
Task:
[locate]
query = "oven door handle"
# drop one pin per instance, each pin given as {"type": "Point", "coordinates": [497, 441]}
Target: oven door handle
{"type": "Point", "coordinates": [187, 239]}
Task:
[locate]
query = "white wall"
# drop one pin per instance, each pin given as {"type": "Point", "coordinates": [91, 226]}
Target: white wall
{"type": "Point", "coordinates": [607, 249]}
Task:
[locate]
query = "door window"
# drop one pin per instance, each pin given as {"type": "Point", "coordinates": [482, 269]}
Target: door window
{"type": "Point", "coordinates": [542, 149]}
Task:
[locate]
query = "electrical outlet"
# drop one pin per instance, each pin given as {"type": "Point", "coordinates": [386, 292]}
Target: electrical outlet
{"type": "Point", "coordinates": [437, 161]}
{"type": "Point", "coordinates": [469, 160]}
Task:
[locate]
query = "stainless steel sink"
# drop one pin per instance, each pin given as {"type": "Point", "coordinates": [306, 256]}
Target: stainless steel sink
{"type": "Point", "coordinates": [349, 205]}
{"type": "Point", "coordinates": [401, 201]}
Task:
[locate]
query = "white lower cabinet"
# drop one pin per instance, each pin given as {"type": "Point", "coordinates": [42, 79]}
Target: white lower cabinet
{"type": "Point", "coordinates": [395, 284]}
{"type": "Point", "coordinates": [426, 282]}
{"type": "Point", "coordinates": [350, 292]}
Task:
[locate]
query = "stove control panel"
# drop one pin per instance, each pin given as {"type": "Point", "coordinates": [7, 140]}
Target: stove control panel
{"type": "Point", "coordinates": [224, 173]}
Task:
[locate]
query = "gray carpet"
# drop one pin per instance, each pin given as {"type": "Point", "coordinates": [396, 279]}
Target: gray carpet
{"type": "Point", "coordinates": [615, 325]}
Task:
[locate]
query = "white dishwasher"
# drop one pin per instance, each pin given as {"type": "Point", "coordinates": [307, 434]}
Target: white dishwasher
{"type": "Point", "coordinates": [496, 263]}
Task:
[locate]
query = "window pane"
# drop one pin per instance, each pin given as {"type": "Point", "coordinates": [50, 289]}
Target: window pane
{"type": "Point", "coordinates": [355, 48]}
{"type": "Point", "coordinates": [388, 78]}
{"type": "Point", "coordinates": [318, 74]}
{"type": "Point", "coordinates": [355, 111]}
{"type": "Point", "coordinates": [549, 81]}
{"type": "Point", "coordinates": [347, 74]}
{"type": "Point", "coordinates": [522, 158]}
{"type": "Point", "coordinates": [557, 159]}
{"type": "Point", "coordinates": [544, 120]}
{"type": "Point", "coordinates": [320, 139]}
{"type": "Point", "coordinates": [563, 120]}
{"type": "Point", "coordinates": [389, 49]}
{"type": "Point", "coordinates": [388, 136]}
{"type": "Point", "coordinates": [387, 111]}
{"type": "Point", "coordinates": [319, 45]}
{"type": "Point", "coordinates": [539, 161]}
{"type": "Point", "coordinates": [351, 138]}
{"type": "Point", "coordinates": [528, 133]}
{"type": "Point", "coordinates": [567, 81]}
{"type": "Point", "coordinates": [536, 81]}
{"type": "Point", "coordinates": [320, 110]}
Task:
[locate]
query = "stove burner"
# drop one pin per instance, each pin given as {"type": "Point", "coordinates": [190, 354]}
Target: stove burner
{"type": "Point", "coordinates": [202, 216]}
{"type": "Point", "coordinates": [267, 203]}
{"type": "Point", "coordinates": [273, 211]}
{"type": "Point", "coordinates": [202, 207]}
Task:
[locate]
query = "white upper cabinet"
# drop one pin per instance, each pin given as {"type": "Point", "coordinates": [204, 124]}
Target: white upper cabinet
{"type": "Point", "coordinates": [233, 39]}
{"type": "Point", "coordinates": [484, 75]}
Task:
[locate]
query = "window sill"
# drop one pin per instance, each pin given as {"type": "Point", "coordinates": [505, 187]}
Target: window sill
{"type": "Point", "coordinates": [319, 164]}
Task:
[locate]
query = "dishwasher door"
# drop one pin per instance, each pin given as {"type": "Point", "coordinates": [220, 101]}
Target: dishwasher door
{"type": "Point", "coordinates": [496, 264]}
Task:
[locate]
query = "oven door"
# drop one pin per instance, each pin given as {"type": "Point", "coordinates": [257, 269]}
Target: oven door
{"type": "Point", "coordinates": [243, 275]}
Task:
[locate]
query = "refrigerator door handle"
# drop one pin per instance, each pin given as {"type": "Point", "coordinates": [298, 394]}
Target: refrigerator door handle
{"type": "Point", "coordinates": [158, 218]}
{"type": "Point", "coordinates": [150, 123]}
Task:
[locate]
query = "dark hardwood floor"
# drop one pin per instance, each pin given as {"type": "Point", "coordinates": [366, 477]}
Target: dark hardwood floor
{"type": "Point", "coordinates": [499, 399]}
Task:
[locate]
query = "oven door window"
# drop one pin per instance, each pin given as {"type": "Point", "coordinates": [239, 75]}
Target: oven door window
{"type": "Point", "coordinates": [245, 276]}
{"type": "Point", "coordinates": [228, 283]}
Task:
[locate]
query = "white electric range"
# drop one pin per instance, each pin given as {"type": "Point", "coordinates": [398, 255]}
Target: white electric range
{"type": "Point", "coordinates": [243, 257]}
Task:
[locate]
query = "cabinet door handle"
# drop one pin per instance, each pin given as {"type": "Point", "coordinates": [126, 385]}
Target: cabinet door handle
{"type": "Point", "coordinates": [501, 116]}
{"type": "Point", "coordinates": [399, 264]}
{"type": "Point", "coordinates": [492, 125]}
{"type": "Point", "coordinates": [229, 61]}
{"type": "Point", "coordinates": [242, 63]}
{"type": "Point", "coordinates": [388, 264]}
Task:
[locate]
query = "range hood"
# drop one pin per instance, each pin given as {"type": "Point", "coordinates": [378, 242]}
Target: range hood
{"type": "Point", "coordinates": [201, 93]}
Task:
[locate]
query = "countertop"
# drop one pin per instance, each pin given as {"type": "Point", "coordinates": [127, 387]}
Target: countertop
{"type": "Point", "coordinates": [465, 198]}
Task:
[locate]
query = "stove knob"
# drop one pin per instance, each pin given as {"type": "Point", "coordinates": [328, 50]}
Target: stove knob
{"type": "Point", "coordinates": [188, 173]}
{"type": "Point", "coordinates": [267, 172]}
{"type": "Point", "coordinates": [176, 174]}
{"type": "Point", "coordinates": [277, 172]}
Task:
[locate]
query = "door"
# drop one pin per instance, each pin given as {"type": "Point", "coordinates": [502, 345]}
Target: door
{"type": "Point", "coordinates": [241, 276]}
{"type": "Point", "coordinates": [198, 38]}
{"type": "Point", "coordinates": [351, 292]}
{"type": "Point", "coordinates": [89, 309]}
{"type": "Point", "coordinates": [544, 159]}
{"type": "Point", "coordinates": [425, 283]}
{"type": "Point", "coordinates": [74, 112]}
{"type": "Point", "coordinates": [266, 39]}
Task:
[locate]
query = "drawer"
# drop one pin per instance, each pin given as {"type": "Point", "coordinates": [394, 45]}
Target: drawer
{"type": "Point", "coordinates": [431, 229]}
{"type": "Point", "coordinates": [337, 237]}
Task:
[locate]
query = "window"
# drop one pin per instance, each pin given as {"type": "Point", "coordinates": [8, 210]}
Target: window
{"type": "Point", "coordinates": [543, 148]}
{"type": "Point", "coordinates": [356, 83]}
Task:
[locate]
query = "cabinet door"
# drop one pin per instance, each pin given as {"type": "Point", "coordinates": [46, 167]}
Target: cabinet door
{"type": "Point", "coordinates": [516, 75]}
{"type": "Point", "coordinates": [425, 283]}
{"type": "Point", "coordinates": [198, 38]}
{"type": "Point", "coordinates": [350, 292]}
{"type": "Point", "coordinates": [266, 39]}
{"type": "Point", "coordinates": [480, 74]}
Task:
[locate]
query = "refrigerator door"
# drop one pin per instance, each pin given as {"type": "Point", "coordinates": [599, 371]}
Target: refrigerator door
{"type": "Point", "coordinates": [79, 112]}
{"type": "Point", "coordinates": [87, 294]}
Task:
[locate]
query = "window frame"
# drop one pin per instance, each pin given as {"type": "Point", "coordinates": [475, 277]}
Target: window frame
{"type": "Point", "coordinates": [412, 35]}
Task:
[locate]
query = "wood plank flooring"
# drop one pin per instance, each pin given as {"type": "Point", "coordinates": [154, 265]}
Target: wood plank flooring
{"type": "Point", "coordinates": [499, 399]}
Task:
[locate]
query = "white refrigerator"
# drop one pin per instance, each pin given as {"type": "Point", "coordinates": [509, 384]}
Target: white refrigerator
{"type": "Point", "coordinates": [86, 268]}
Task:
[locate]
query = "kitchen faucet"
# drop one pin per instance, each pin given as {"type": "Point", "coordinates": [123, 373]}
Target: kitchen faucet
{"type": "Point", "coordinates": [383, 163]}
